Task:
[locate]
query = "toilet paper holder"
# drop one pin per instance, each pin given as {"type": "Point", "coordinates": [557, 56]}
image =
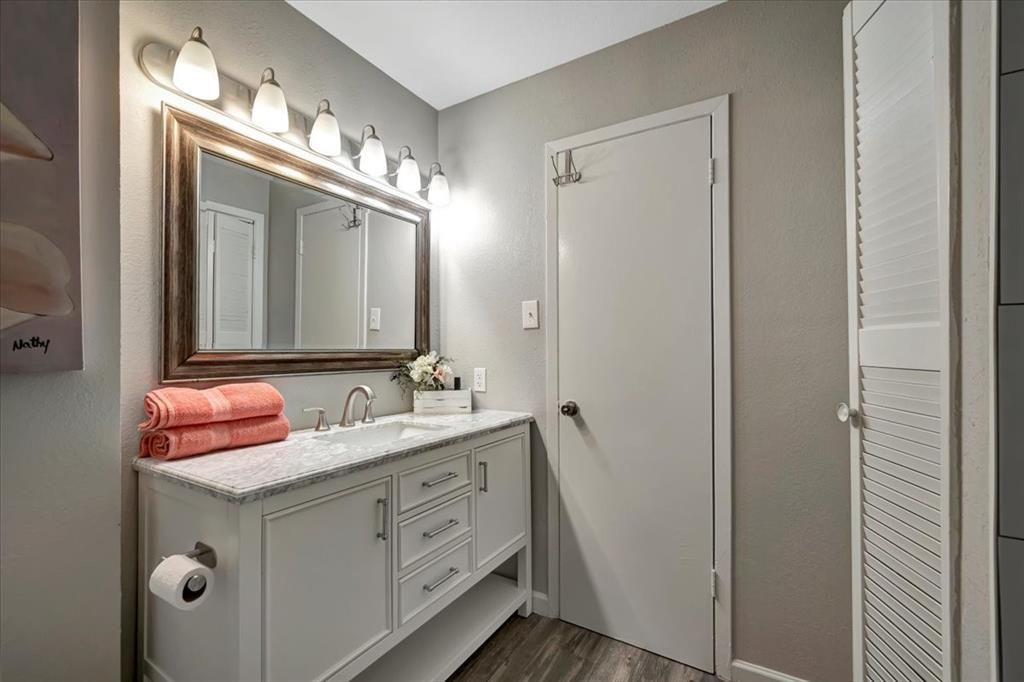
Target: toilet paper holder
{"type": "Point", "coordinates": [204, 554]}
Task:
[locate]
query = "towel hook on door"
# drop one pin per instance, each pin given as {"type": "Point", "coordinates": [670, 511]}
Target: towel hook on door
{"type": "Point", "coordinates": [569, 174]}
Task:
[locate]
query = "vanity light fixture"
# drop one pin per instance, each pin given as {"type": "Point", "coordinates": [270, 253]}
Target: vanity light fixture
{"type": "Point", "coordinates": [371, 154]}
{"type": "Point", "coordinates": [437, 186]}
{"type": "Point", "coordinates": [195, 70]}
{"type": "Point", "coordinates": [269, 108]}
{"type": "Point", "coordinates": [408, 171]}
{"type": "Point", "coordinates": [325, 137]}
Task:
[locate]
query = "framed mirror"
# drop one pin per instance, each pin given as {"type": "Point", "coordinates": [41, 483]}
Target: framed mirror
{"type": "Point", "coordinates": [275, 264]}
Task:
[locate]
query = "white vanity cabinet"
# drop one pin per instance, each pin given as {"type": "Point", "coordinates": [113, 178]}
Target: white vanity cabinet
{"type": "Point", "coordinates": [383, 572]}
{"type": "Point", "coordinates": [325, 577]}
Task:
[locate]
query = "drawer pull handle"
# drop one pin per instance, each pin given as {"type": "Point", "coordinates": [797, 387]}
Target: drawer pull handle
{"type": "Point", "coordinates": [483, 476]}
{"type": "Point", "coordinates": [447, 477]}
{"type": "Point", "coordinates": [437, 531]}
{"type": "Point", "coordinates": [383, 534]}
{"type": "Point", "coordinates": [452, 572]}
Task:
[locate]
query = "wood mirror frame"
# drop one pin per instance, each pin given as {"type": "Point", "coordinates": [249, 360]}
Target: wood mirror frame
{"type": "Point", "coordinates": [185, 137]}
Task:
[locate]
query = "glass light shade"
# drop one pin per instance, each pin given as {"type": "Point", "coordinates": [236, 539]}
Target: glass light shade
{"type": "Point", "coordinates": [438, 193]}
{"type": "Point", "coordinates": [325, 137]}
{"type": "Point", "coordinates": [371, 158]}
{"type": "Point", "coordinates": [195, 71]}
{"type": "Point", "coordinates": [269, 108]}
{"type": "Point", "coordinates": [409, 175]}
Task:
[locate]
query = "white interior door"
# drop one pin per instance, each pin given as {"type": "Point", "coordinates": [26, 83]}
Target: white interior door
{"type": "Point", "coordinates": [330, 286]}
{"type": "Point", "coordinates": [231, 281]}
{"type": "Point", "coordinates": [897, 142]}
{"type": "Point", "coordinates": [635, 354]}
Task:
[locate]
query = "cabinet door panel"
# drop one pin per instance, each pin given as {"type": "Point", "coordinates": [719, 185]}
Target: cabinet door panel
{"type": "Point", "coordinates": [326, 582]}
{"type": "Point", "coordinates": [501, 503]}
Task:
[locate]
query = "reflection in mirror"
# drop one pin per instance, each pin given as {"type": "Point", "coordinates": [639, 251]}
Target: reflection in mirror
{"type": "Point", "coordinates": [285, 267]}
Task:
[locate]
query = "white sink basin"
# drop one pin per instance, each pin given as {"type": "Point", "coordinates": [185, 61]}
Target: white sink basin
{"type": "Point", "coordinates": [380, 434]}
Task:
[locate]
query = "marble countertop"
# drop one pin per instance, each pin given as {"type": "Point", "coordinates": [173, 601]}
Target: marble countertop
{"type": "Point", "coordinates": [308, 457]}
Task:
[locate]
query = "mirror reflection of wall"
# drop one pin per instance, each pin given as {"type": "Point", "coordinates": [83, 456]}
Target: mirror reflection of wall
{"type": "Point", "coordinates": [285, 267]}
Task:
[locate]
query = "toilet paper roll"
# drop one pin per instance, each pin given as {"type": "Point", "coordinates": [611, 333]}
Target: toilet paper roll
{"type": "Point", "coordinates": [182, 582]}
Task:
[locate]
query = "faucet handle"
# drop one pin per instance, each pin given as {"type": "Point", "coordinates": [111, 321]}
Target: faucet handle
{"type": "Point", "coordinates": [321, 418]}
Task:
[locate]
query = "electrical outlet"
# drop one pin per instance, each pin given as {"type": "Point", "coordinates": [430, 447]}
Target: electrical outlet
{"type": "Point", "coordinates": [531, 319]}
{"type": "Point", "coordinates": [480, 380]}
{"type": "Point", "coordinates": [374, 319]}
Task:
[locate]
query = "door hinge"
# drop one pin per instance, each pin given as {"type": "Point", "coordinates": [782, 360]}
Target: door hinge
{"type": "Point", "coordinates": [714, 584]}
{"type": "Point", "coordinates": [711, 171]}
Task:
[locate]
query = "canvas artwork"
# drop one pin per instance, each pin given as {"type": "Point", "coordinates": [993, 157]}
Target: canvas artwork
{"type": "Point", "coordinates": [40, 269]}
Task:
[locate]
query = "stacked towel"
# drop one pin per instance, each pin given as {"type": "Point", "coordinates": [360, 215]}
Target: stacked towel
{"type": "Point", "coordinates": [182, 422]}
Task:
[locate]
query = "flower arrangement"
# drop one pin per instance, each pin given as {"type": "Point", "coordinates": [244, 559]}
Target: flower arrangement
{"type": "Point", "coordinates": [426, 373]}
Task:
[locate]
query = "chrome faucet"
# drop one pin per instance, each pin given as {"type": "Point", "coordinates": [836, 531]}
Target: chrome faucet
{"type": "Point", "coordinates": [346, 412]}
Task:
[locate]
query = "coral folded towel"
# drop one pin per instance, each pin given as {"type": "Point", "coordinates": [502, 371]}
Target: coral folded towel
{"type": "Point", "coordinates": [197, 439]}
{"type": "Point", "coordinates": [174, 406]}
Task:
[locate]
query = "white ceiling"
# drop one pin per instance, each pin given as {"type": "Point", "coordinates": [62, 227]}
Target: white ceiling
{"type": "Point", "coordinates": [447, 51]}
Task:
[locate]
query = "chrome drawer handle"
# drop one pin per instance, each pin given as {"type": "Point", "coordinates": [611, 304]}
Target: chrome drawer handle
{"type": "Point", "coordinates": [437, 531]}
{"type": "Point", "coordinates": [383, 534]}
{"type": "Point", "coordinates": [447, 477]}
{"type": "Point", "coordinates": [483, 475]}
{"type": "Point", "coordinates": [452, 572]}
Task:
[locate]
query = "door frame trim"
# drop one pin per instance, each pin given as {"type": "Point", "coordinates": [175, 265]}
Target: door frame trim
{"type": "Point", "coordinates": [717, 108]}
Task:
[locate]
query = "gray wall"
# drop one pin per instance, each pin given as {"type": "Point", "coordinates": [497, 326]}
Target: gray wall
{"type": "Point", "coordinates": [782, 62]}
{"type": "Point", "coordinates": [59, 445]}
{"type": "Point", "coordinates": [310, 64]}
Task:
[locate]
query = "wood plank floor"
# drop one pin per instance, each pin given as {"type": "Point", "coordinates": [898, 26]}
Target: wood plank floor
{"type": "Point", "coordinates": [542, 649]}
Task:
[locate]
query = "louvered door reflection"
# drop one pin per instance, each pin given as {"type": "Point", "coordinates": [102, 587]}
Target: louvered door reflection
{"type": "Point", "coordinates": [897, 142]}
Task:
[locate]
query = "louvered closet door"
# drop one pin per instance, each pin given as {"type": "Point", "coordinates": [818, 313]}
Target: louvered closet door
{"type": "Point", "coordinates": [897, 128]}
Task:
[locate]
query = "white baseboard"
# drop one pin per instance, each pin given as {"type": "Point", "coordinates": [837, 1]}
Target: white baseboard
{"type": "Point", "coordinates": [748, 672]}
{"type": "Point", "coordinates": [541, 605]}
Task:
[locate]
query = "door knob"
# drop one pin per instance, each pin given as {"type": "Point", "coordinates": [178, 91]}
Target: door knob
{"type": "Point", "coordinates": [845, 413]}
{"type": "Point", "coordinates": [569, 409]}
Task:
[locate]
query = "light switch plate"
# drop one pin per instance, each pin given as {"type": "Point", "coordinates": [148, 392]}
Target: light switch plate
{"type": "Point", "coordinates": [531, 315]}
{"type": "Point", "coordinates": [480, 380]}
{"type": "Point", "coordinates": [374, 319]}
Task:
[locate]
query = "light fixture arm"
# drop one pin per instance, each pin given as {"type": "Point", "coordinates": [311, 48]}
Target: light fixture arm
{"type": "Point", "coordinates": [197, 35]}
{"type": "Point", "coordinates": [407, 151]}
{"type": "Point", "coordinates": [435, 168]}
{"type": "Point", "coordinates": [362, 138]}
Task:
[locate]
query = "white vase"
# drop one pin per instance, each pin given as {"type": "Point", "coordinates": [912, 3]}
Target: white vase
{"type": "Point", "coordinates": [442, 402]}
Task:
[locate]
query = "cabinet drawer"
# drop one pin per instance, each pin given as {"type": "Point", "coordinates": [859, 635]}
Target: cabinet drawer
{"type": "Point", "coordinates": [422, 588]}
{"type": "Point", "coordinates": [421, 535]}
{"type": "Point", "coordinates": [432, 481]}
